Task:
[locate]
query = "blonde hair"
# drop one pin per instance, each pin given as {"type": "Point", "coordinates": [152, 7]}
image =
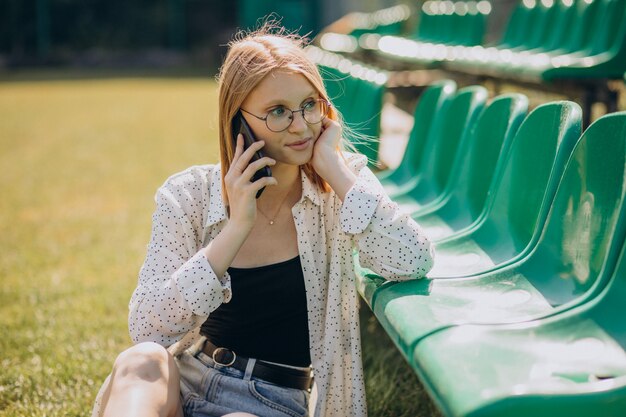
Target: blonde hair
{"type": "Point", "coordinates": [251, 57]}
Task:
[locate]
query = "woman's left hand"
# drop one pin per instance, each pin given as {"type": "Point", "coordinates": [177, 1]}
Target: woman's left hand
{"type": "Point", "coordinates": [328, 161]}
{"type": "Point", "coordinates": [326, 152]}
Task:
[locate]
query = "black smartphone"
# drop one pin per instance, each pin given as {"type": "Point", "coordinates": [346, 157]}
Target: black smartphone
{"type": "Point", "coordinates": [241, 126]}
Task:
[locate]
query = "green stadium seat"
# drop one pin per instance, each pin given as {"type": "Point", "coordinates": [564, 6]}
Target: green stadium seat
{"type": "Point", "coordinates": [442, 25]}
{"type": "Point", "coordinates": [340, 87]}
{"type": "Point", "coordinates": [389, 21]}
{"type": "Point", "coordinates": [445, 22]}
{"type": "Point", "coordinates": [442, 146]}
{"type": "Point", "coordinates": [472, 173]}
{"type": "Point", "coordinates": [426, 115]}
{"type": "Point", "coordinates": [572, 363]}
{"type": "Point", "coordinates": [558, 33]}
{"type": "Point", "coordinates": [570, 264]}
{"type": "Point", "coordinates": [363, 119]}
{"type": "Point", "coordinates": [356, 91]}
{"type": "Point", "coordinates": [515, 30]}
{"type": "Point", "coordinates": [521, 196]}
{"type": "Point", "coordinates": [542, 16]}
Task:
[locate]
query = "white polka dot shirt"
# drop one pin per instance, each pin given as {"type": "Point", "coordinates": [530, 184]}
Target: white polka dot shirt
{"type": "Point", "coordinates": [177, 288]}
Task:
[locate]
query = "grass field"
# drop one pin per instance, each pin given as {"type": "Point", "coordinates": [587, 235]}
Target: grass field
{"type": "Point", "coordinates": [80, 162]}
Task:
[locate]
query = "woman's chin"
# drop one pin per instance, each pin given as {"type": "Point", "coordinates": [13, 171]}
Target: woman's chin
{"type": "Point", "coordinates": [292, 161]}
{"type": "Point", "coordinates": [298, 158]}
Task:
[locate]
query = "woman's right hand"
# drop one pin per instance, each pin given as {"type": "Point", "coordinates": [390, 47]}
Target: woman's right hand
{"type": "Point", "coordinates": [240, 191]}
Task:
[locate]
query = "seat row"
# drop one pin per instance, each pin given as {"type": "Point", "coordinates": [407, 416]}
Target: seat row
{"type": "Point", "coordinates": [595, 49]}
{"type": "Point", "coordinates": [389, 21]}
{"type": "Point", "coordinates": [522, 312]}
{"type": "Point", "coordinates": [543, 40]}
{"type": "Point", "coordinates": [453, 23]}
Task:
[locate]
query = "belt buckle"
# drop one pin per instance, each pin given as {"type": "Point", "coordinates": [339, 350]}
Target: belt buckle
{"type": "Point", "coordinates": [220, 349]}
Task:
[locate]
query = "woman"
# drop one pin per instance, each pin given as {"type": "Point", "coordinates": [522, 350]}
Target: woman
{"type": "Point", "coordinates": [248, 294]}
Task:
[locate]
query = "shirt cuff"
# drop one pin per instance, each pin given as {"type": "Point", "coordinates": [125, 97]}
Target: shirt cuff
{"type": "Point", "coordinates": [200, 287]}
{"type": "Point", "coordinates": [358, 207]}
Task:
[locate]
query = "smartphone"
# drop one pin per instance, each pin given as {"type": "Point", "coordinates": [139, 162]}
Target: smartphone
{"type": "Point", "coordinates": [241, 126]}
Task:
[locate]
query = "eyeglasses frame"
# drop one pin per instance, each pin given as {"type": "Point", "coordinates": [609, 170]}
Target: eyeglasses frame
{"type": "Point", "coordinates": [300, 110]}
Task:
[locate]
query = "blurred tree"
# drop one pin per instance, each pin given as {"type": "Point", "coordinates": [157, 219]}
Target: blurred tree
{"type": "Point", "coordinates": [60, 31]}
{"type": "Point", "coordinates": [44, 31]}
{"type": "Point", "coordinates": [299, 15]}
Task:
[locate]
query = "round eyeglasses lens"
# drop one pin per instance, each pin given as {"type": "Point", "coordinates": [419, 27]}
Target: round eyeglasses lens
{"type": "Point", "coordinates": [315, 111]}
{"type": "Point", "coordinates": [279, 119]}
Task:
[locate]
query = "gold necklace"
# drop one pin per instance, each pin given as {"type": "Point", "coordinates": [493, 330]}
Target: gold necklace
{"type": "Point", "coordinates": [280, 206]}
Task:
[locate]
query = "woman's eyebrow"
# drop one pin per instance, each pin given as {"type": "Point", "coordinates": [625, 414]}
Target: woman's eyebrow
{"type": "Point", "coordinates": [283, 102]}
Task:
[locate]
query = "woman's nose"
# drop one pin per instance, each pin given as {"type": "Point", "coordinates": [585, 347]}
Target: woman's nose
{"type": "Point", "coordinates": [298, 124]}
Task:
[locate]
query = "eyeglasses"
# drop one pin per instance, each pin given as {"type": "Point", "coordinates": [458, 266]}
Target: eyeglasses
{"type": "Point", "coordinates": [280, 118]}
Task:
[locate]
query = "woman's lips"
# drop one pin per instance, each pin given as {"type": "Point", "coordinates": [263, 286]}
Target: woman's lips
{"type": "Point", "coordinates": [300, 145]}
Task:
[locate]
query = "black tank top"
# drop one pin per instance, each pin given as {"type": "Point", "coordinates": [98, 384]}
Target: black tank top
{"type": "Point", "coordinates": [267, 315]}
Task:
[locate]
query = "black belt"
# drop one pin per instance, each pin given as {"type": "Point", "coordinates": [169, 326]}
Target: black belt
{"type": "Point", "coordinates": [276, 374]}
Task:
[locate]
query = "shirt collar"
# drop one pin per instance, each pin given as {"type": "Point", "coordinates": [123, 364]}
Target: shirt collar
{"type": "Point", "coordinates": [217, 209]}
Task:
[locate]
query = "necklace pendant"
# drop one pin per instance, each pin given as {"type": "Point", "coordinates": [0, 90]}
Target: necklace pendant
{"type": "Point", "coordinates": [271, 222]}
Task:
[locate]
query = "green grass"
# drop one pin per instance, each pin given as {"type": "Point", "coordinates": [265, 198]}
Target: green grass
{"type": "Point", "coordinates": [81, 161]}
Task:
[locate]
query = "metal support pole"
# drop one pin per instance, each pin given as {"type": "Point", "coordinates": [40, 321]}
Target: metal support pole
{"type": "Point", "coordinates": [177, 26]}
{"type": "Point", "coordinates": [43, 28]}
{"type": "Point", "coordinates": [588, 98]}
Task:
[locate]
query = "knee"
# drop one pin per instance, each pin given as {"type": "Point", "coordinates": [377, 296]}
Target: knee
{"type": "Point", "coordinates": [147, 361]}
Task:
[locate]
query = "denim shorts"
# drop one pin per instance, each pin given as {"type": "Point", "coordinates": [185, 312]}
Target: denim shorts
{"type": "Point", "coordinates": [210, 390]}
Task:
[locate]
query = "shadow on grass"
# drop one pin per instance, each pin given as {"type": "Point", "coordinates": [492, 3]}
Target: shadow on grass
{"type": "Point", "coordinates": [392, 388]}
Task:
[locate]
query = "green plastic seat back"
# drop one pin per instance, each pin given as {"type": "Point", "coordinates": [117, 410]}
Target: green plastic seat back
{"type": "Point", "coordinates": [523, 188]}
{"type": "Point", "coordinates": [536, 19]}
{"type": "Point", "coordinates": [544, 18]}
{"type": "Point", "coordinates": [585, 24]}
{"type": "Point", "coordinates": [445, 22]}
{"type": "Point", "coordinates": [458, 28]}
{"type": "Point", "coordinates": [426, 115]}
{"type": "Point", "coordinates": [339, 87]}
{"type": "Point", "coordinates": [560, 30]}
{"type": "Point", "coordinates": [364, 118]}
{"type": "Point", "coordinates": [608, 34]}
{"type": "Point", "coordinates": [443, 143]}
{"type": "Point", "coordinates": [468, 24]}
{"type": "Point", "coordinates": [583, 235]}
{"type": "Point", "coordinates": [438, 24]}
{"type": "Point", "coordinates": [426, 25]}
{"type": "Point", "coordinates": [461, 25]}
{"type": "Point", "coordinates": [451, 23]}
{"type": "Point", "coordinates": [489, 142]}
{"type": "Point", "coordinates": [609, 310]}
{"type": "Point", "coordinates": [514, 32]}
{"type": "Point", "coordinates": [476, 31]}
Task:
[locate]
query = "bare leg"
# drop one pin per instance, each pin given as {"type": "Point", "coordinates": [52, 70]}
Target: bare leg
{"type": "Point", "coordinates": [145, 382]}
